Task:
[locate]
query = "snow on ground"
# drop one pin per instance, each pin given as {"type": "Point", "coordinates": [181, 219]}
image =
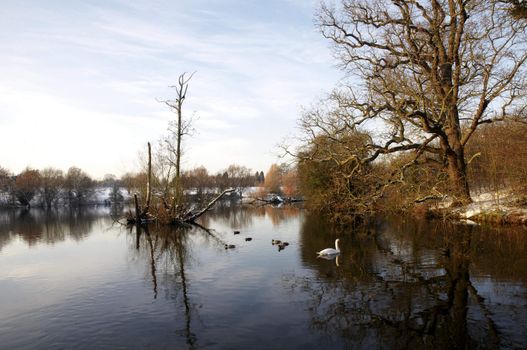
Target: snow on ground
{"type": "Point", "coordinates": [502, 203]}
{"type": "Point", "coordinates": [103, 194]}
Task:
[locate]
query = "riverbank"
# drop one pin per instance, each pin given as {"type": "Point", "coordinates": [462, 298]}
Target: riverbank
{"type": "Point", "coordinates": [504, 207]}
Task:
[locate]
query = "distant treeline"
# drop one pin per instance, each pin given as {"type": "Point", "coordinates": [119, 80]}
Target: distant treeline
{"type": "Point", "coordinates": [279, 179]}
{"type": "Point", "coordinates": [50, 187]}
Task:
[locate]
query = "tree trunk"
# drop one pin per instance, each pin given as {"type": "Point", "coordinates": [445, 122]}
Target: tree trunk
{"type": "Point", "coordinates": [457, 174]}
{"type": "Point", "coordinates": [148, 183]}
{"type": "Point", "coordinates": [149, 179]}
{"type": "Point", "coordinates": [178, 141]}
{"type": "Point", "coordinates": [178, 194]}
{"type": "Point", "coordinates": [137, 210]}
{"type": "Point", "coordinates": [455, 154]}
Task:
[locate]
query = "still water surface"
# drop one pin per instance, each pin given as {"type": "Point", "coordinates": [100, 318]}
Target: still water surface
{"type": "Point", "coordinates": [78, 280]}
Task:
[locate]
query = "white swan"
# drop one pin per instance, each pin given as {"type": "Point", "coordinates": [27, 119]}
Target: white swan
{"type": "Point", "coordinates": [330, 251]}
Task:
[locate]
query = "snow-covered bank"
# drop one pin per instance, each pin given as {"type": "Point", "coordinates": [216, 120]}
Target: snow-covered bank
{"type": "Point", "coordinates": [504, 207]}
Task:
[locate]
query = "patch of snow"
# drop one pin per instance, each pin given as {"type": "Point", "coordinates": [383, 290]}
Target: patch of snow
{"type": "Point", "coordinates": [251, 190]}
{"type": "Point", "coordinates": [486, 202]}
{"type": "Point", "coordinates": [468, 222]}
{"type": "Point", "coordinates": [493, 196]}
{"type": "Point", "coordinates": [502, 201]}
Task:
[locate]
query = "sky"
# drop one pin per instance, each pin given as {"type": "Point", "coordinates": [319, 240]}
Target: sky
{"type": "Point", "coordinates": [80, 81]}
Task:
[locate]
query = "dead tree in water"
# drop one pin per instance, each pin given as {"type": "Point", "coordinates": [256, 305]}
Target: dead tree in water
{"type": "Point", "coordinates": [148, 182]}
{"type": "Point", "coordinates": [178, 129]}
{"type": "Point", "coordinates": [174, 214]}
{"type": "Point", "coordinates": [143, 215]}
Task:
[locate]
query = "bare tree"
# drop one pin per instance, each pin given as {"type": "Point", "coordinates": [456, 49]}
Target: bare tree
{"type": "Point", "coordinates": [290, 182]}
{"type": "Point", "coordinates": [240, 178]}
{"type": "Point", "coordinates": [178, 129]}
{"type": "Point", "coordinates": [428, 73]}
{"type": "Point", "coordinates": [5, 179]}
{"type": "Point", "coordinates": [273, 179]}
{"type": "Point", "coordinates": [199, 180]}
{"type": "Point", "coordinates": [78, 186]}
{"type": "Point", "coordinates": [332, 179]}
{"type": "Point", "coordinates": [134, 182]}
{"type": "Point", "coordinates": [173, 210]}
{"type": "Point", "coordinates": [52, 181]}
{"type": "Point", "coordinates": [499, 158]}
{"type": "Point", "coordinates": [164, 168]}
{"type": "Point", "coordinates": [26, 185]}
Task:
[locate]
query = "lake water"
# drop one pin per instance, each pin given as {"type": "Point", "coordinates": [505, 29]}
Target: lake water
{"type": "Point", "coordinates": [79, 280]}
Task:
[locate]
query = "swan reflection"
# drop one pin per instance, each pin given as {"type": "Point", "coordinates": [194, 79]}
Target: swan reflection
{"type": "Point", "coordinates": [330, 257]}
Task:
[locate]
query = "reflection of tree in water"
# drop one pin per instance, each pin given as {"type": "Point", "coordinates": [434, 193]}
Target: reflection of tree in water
{"type": "Point", "coordinates": [407, 285]}
{"type": "Point", "coordinates": [500, 252]}
{"type": "Point", "coordinates": [236, 216]}
{"type": "Point", "coordinates": [230, 215]}
{"type": "Point", "coordinates": [282, 214]}
{"type": "Point", "coordinates": [36, 226]}
{"type": "Point", "coordinates": [168, 251]}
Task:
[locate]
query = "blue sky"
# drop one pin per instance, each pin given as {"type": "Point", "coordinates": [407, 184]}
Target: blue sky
{"type": "Point", "coordinates": [80, 79]}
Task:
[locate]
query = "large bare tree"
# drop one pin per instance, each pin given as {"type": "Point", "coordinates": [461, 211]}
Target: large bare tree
{"type": "Point", "coordinates": [423, 74]}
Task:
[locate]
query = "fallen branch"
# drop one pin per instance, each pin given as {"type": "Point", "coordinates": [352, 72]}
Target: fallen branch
{"type": "Point", "coordinates": [191, 217]}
